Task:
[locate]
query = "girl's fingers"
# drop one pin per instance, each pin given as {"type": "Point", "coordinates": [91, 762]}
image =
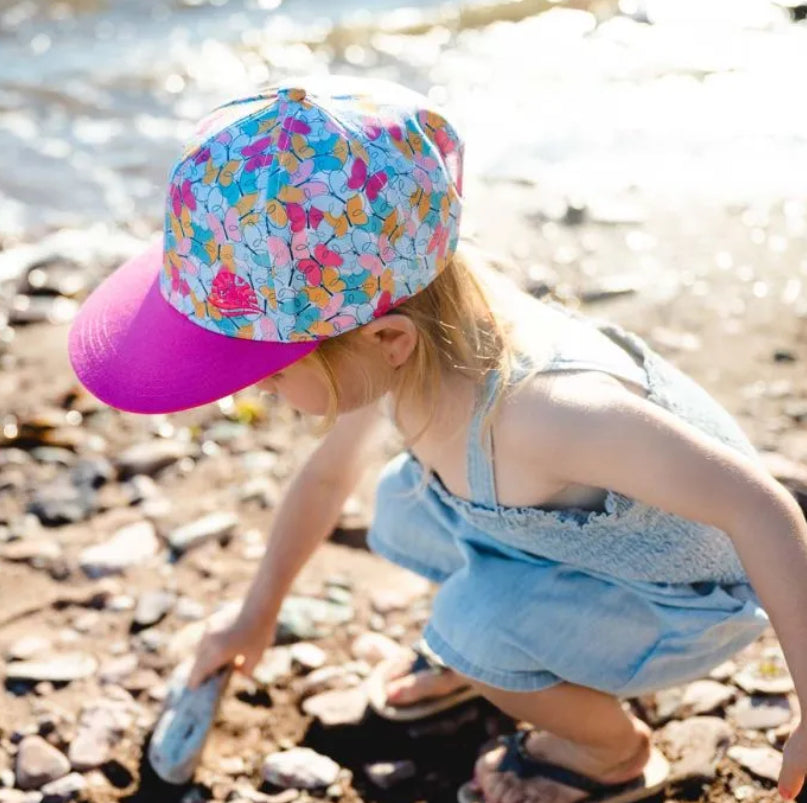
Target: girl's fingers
{"type": "Point", "coordinates": [791, 777]}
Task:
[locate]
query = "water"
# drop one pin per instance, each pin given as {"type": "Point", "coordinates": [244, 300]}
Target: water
{"type": "Point", "coordinates": [95, 97]}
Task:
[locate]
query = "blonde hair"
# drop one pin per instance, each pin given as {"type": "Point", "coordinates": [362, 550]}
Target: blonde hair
{"type": "Point", "coordinates": [459, 328]}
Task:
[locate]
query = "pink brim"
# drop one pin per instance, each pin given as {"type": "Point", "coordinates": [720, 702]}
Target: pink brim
{"type": "Point", "coordinates": [134, 351]}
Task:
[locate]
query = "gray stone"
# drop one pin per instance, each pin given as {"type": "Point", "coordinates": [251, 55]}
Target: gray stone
{"type": "Point", "coordinates": [261, 490]}
{"type": "Point", "coordinates": [310, 618]}
{"type": "Point", "coordinates": [215, 525]}
{"type": "Point", "coordinates": [92, 471]}
{"type": "Point", "coordinates": [308, 656]}
{"type": "Point", "coordinates": [761, 713]}
{"type": "Point", "coordinates": [130, 546]}
{"type": "Point", "coordinates": [64, 789]}
{"type": "Point", "coordinates": [116, 670]}
{"type": "Point", "coordinates": [100, 727]}
{"type": "Point", "coordinates": [386, 774]}
{"type": "Point", "coordinates": [695, 746]}
{"type": "Point", "coordinates": [764, 762]}
{"type": "Point", "coordinates": [61, 502]}
{"type": "Point", "coordinates": [189, 610]}
{"type": "Point", "coordinates": [152, 456]}
{"type": "Point", "coordinates": [58, 668]}
{"type": "Point", "coordinates": [338, 707]}
{"type": "Point", "coordinates": [300, 768]}
{"type": "Point", "coordinates": [151, 640]}
{"type": "Point", "coordinates": [153, 606]}
{"type": "Point", "coordinates": [39, 763]}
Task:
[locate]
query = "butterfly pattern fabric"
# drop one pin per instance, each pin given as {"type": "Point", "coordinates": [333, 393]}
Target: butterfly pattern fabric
{"type": "Point", "coordinates": [299, 214]}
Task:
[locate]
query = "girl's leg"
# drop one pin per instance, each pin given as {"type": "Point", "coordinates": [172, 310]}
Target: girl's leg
{"type": "Point", "coordinates": [582, 729]}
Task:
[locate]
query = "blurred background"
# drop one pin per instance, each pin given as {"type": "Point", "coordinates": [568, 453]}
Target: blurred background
{"type": "Point", "coordinates": [641, 160]}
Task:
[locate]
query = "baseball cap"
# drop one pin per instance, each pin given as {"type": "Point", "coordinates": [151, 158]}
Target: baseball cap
{"type": "Point", "coordinates": [293, 215]}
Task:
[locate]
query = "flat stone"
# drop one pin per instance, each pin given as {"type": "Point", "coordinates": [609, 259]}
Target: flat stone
{"type": "Point", "coordinates": [310, 618]}
{"type": "Point", "coordinates": [39, 552]}
{"type": "Point", "coordinates": [18, 796]}
{"type": "Point", "coordinates": [58, 668]}
{"type": "Point", "coordinates": [695, 746]}
{"type": "Point", "coordinates": [328, 678]}
{"type": "Point", "coordinates": [338, 707]}
{"type": "Point", "coordinates": [39, 763]}
{"type": "Point", "coordinates": [768, 676]}
{"type": "Point", "coordinates": [130, 546]}
{"type": "Point", "coordinates": [764, 762]}
{"type": "Point", "coordinates": [100, 727]}
{"type": "Point", "coordinates": [374, 648]}
{"type": "Point", "coordinates": [27, 647]}
{"type": "Point", "coordinates": [116, 670]}
{"type": "Point", "coordinates": [64, 789]}
{"type": "Point", "coordinates": [61, 502]}
{"type": "Point", "coordinates": [92, 471]}
{"type": "Point", "coordinates": [151, 456]}
{"type": "Point", "coordinates": [724, 671]}
{"type": "Point", "coordinates": [307, 655]}
{"type": "Point", "coordinates": [246, 794]}
{"type": "Point", "coordinates": [215, 525]}
{"type": "Point", "coordinates": [189, 610]}
{"type": "Point", "coordinates": [300, 768]}
{"type": "Point", "coordinates": [704, 697]}
{"type": "Point", "coordinates": [761, 712]}
{"type": "Point", "coordinates": [274, 665]}
{"type": "Point", "coordinates": [386, 774]}
{"type": "Point", "coordinates": [152, 607]}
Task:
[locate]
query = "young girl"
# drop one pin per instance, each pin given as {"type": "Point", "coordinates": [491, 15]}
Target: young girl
{"type": "Point", "coordinates": [600, 527]}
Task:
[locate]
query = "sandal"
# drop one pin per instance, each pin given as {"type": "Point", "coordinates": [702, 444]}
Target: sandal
{"type": "Point", "coordinates": [518, 761]}
{"type": "Point", "coordinates": [425, 661]}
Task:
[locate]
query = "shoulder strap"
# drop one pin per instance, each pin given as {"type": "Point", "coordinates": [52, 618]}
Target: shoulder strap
{"type": "Point", "coordinates": [481, 479]}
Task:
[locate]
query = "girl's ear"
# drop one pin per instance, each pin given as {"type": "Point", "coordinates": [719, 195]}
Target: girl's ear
{"type": "Point", "coordinates": [395, 335]}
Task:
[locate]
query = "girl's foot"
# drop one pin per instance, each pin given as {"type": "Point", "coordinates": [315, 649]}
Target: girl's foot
{"type": "Point", "coordinates": [613, 765]}
{"type": "Point", "coordinates": [404, 687]}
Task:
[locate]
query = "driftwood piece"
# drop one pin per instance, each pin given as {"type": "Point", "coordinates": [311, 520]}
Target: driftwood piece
{"type": "Point", "coordinates": [181, 732]}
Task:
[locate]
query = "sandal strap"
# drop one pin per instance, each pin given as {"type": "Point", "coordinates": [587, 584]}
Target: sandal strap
{"type": "Point", "coordinates": [518, 761]}
{"type": "Point", "coordinates": [426, 658]}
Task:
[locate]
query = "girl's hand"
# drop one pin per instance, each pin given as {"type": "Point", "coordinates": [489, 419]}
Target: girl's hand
{"type": "Point", "coordinates": [241, 642]}
{"type": "Point", "coordinates": [794, 763]}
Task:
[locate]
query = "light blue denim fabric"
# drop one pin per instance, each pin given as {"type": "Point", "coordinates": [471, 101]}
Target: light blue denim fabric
{"type": "Point", "coordinates": [627, 600]}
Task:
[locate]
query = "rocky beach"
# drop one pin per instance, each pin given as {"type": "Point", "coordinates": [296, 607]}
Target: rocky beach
{"type": "Point", "coordinates": [642, 162]}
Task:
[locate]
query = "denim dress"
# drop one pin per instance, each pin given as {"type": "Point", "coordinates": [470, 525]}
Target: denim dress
{"type": "Point", "coordinates": [626, 599]}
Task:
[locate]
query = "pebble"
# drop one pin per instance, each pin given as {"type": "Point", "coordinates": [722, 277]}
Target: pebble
{"type": "Point", "coordinates": [61, 502]}
{"type": "Point", "coordinates": [59, 668]}
{"type": "Point", "coordinates": [120, 602]}
{"type": "Point", "coordinates": [764, 762]}
{"type": "Point", "coordinates": [87, 621]}
{"type": "Point", "coordinates": [386, 774]}
{"type": "Point", "coordinates": [374, 648]}
{"type": "Point", "coordinates": [189, 610]}
{"type": "Point", "coordinates": [92, 471]}
{"type": "Point", "coordinates": [768, 676]}
{"type": "Point", "coordinates": [152, 607]}
{"type": "Point", "coordinates": [100, 727]}
{"type": "Point", "coordinates": [301, 768]}
{"type": "Point", "coordinates": [724, 671]}
{"type": "Point", "coordinates": [694, 746]}
{"type": "Point", "coordinates": [308, 656]}
{"type": "Point", "coordinates": [275, 664]}
{"type": "Point", "coordinates": [310, 618]}
{"type": "Point", "coordinates": [214, 525]}
{"type": "Point", "coordinates": [64, 789]}
{"type": "Point", "coordinates": [347, 676]}
{"type": "Point", "coordinates": [261, 490]}
{"type": "Point", "coordinates": [130, 546]}
{"type": "Point", "coordinates": [338, 707]}
{"type": "Point", "coordinates": [151, 456]}
{"type": "Point", "coordinates": [704, 697]}
{"type": "Point", "coordinates": [152, 640]}
{"type": "Point", "coordinates": [115, 670]}
{"type": "Point", "coordinates": [246, 794]}
{"type": "Point", "coordinates": [27, 647]}
{"type": "Point", "coordinates": [761, 713]}
{"type": "Point", "coordinates": [18, 796]}
{"type": "Point", "coordinates": [39, 763]}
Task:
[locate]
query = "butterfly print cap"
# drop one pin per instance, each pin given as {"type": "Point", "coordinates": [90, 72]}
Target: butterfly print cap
{"type": "Point", "coordinates": [293, 215]}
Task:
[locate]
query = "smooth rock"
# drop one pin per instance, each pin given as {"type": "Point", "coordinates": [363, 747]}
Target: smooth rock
{"type": "Point", "coordinates": [61, 502]}
{"type": "Point", "coordinates": [764, 762]}
{"type": "Point", "coordinates": [215, 525]}
{"type": "Point", "coordinates": [694, 746]}
{"type": "Point", "coordinates": [58, 668]}
{"type": "Point", "coordinates": [100, 727]}
{"type": "Point", "coordinates": [130, 546]}
{"type": "Point", "coordinates": [27, 647]}
{"type": "Point", "coordinates": [724, 671]}
{"type": "Point", "coordinates": [761, 712]}
{"type": "Point", "coordinates": [768, 676]}
{"type": "Point", "coordinates": [386, 774]}
{"type": "Point", "coordinates": [374, 648]}
{"type": "Point", "coordinates": [152, 607]}
{"type": "Point", "coordinates": [189, 610]}
{"type": "Point", "coordinates": [704, 697]}
{"type": "Point", "coordinates": [246, 794]}
{"type": "Point", "coordinates": [64, 789]}
{"type": "Point", "coordinates": [274, 665]}
{"type": "Point", "coordinates": [332, 677]}
{"type": "Point", "coordinates": [151, 456]}
{"type": "Point", "coordinates": [92, 471]}
{"type": "Point", "coordinates": [18, 796]}
{"type": "Point", "coordinates": [116, 670]}
{"type": "Point", "coordinates": [301, 768]}
{"type": "Point", "coordinates": [310, 618]}
{"type": "Point", "coordinates": [39, 763]}
{"type": "Point", "coordinates": [338, 707]}
{"type": "Point", "coordinates": [307, 655]}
